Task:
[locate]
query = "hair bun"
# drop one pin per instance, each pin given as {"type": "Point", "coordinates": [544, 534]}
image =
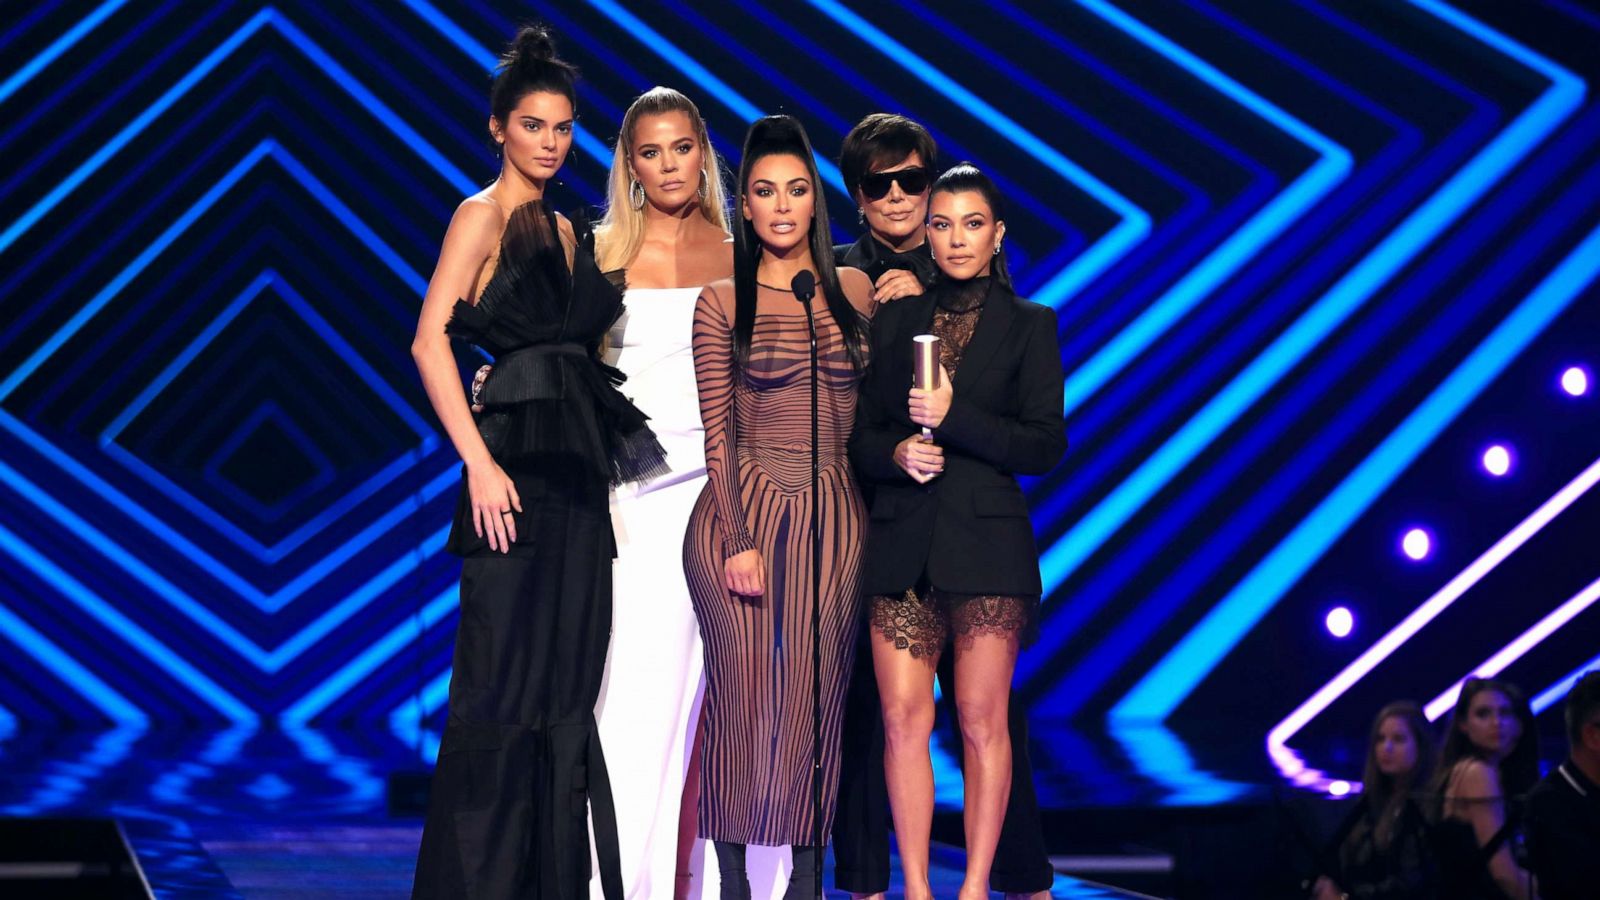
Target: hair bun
{"type": "Point", "coordinates": [778, 127]}
{"type": "Point", "coordinates": [533, 44]}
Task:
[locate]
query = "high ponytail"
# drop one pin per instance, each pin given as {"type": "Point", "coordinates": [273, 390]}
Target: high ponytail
{"type": "Point", "coordinates": [784, 136]}
{"type": "Point", "coordinates": [530, 64]}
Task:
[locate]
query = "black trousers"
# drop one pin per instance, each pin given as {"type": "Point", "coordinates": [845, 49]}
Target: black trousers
{"type": "Point", "coordinates": [862, 820]}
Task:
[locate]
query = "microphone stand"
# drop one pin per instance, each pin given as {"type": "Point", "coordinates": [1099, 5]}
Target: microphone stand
{"type": "Point", "coordinates": [804, 286]}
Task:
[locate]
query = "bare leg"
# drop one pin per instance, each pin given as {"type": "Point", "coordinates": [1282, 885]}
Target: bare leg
{"type": "Point", "coordinates": [688, 814]}
{"type": "Point", "coordinates": [905, 685]}
{"type": "Point", "coordinates": [984, 663]}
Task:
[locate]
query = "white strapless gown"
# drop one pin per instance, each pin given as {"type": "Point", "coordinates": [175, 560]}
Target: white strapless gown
{"type": "Point", "coordinates": [650, 698]}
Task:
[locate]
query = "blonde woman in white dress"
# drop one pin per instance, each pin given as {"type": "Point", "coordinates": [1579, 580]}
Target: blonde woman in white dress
{"type": "Point", "coordinates": [665, 234]}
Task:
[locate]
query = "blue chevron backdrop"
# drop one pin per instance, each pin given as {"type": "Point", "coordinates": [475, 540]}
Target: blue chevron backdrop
{"type": "Point", "coordinates": [1311, 259]}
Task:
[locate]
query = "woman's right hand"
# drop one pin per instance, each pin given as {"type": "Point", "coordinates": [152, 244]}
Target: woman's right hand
{"type": "Point", "coordinates": [920, 458]}
{"type": "Point", "coordinates": [494, 496]}
{"type": "Point", "coordinates": [742, 572]}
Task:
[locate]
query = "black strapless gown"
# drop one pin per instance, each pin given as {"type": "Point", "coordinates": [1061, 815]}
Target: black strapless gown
{"type": "Point", "coordinates": [520, 762]}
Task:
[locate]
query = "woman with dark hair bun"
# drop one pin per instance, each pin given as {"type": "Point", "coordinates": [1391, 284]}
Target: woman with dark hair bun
{"type": "Point", "coordinates": [1489, 763]}
{"type": "Point", "coordinates": [951, 559]}
{"type": "Point", "coordinates": [545, 438]}
{"type": "Point", "coordinates": [748, 551]}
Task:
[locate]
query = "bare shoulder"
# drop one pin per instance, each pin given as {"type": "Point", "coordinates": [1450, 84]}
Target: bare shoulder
{"type": "Point", "coordinates": [710, 256]}
{"type": "Point", "coordinates": [473, 234]}
{"type": "Point", "coordinates": [718, 294]}
{"type": "Point", "coordinates": [857, 289]}
{"type": "Point", "coordinates": [1474, 779]}
{"type": "Point", "coordinates": [477, 216]}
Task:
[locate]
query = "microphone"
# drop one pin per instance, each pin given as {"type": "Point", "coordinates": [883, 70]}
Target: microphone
{"type": "Point", "coordinates": [804, 285]}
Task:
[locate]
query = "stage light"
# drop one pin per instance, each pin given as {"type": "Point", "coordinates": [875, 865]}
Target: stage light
{"type": "Point", "coordinates": [1339, 788]}
{"type": "Point", "coordinates": [1340, 622]}
{"type": "Point", "coordinates": [1497, 460]}
{"type": "Point", "coordinates": [1417, 544]}
{"type": "Point", "coordinates": [1575, 381]}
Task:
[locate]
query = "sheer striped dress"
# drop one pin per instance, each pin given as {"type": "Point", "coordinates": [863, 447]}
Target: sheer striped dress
{"type": "Point", "coordinates": [756, 771]}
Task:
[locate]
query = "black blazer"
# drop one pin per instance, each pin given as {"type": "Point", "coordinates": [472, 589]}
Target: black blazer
{"type": "Point", "coordinates": [967, 529]}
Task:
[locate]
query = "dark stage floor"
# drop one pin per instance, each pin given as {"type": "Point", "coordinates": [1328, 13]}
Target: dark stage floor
{"type": "Point", "coordinates": [303, 813]}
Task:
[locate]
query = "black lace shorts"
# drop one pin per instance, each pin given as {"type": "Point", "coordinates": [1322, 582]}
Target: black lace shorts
{"type": "Point", "coordinates": [924, 618]}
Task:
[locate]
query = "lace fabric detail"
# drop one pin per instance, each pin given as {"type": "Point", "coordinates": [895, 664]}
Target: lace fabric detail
{"type": "Point", "coordinates": [957, 306]}
{"type": "Point", "coordinates": [913, 623]}
{"type": "Point", "coordinates": [922, 622]}
{"type": "Point", "coordinates": [962, 296]}
{"type": "Point", "coordinates": [991, 614]}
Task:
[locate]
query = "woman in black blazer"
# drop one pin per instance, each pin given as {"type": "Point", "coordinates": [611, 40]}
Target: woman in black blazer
{"type": "Point", "coordinates": [950, 551]}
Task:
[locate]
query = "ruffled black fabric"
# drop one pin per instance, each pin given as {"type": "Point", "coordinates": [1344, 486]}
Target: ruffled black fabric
{"type": "Point", "coordinates": [549, 394]}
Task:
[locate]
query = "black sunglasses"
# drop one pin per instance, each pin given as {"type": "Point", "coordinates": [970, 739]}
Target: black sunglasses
{"type": "Point", "coordinates": [914, 180]}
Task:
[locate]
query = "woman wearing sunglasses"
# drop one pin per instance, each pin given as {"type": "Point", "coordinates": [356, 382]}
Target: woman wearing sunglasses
{"type": "Point", "coordinates": [951, 559]}
{"type": "Point", "coordinates": [886, 162]}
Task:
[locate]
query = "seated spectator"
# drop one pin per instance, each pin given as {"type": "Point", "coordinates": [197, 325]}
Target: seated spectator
{"type": "Point", "coordinates": [1489, 762]}
{"type": "Point", "coordinates": [1564, 809]}
{"type": "Point", "coordinates": [1382, 848]}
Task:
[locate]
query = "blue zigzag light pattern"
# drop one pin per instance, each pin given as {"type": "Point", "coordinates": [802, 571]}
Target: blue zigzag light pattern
{"type": "Point", "coordinates": [1299, 255]}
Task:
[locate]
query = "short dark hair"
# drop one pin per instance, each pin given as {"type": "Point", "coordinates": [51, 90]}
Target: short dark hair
{"type": "Point", "coordinates": [1583, 704]}
{"type": "Point", "coordinates": [882, 139]}
{"type": "Point", "coordinates": [528, 65]}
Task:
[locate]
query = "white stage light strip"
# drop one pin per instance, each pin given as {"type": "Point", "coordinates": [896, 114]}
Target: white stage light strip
{"type": "Point", "coordinates": [1513, 651]}
{"type": "Point", "coordinates": [1279, 736]}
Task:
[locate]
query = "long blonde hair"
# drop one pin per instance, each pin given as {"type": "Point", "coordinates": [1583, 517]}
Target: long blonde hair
{"type": "Point", "coordinates": [620, 232]}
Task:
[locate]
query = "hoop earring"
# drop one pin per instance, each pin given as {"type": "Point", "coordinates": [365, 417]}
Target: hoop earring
{"type": "Point", "coordinates": [705, 187]}
{"type": "Point", "coordinates": [636, 195]}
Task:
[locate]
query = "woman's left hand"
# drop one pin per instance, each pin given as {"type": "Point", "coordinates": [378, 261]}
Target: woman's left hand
{"type": "Point", "coordinates": [928, 408]}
